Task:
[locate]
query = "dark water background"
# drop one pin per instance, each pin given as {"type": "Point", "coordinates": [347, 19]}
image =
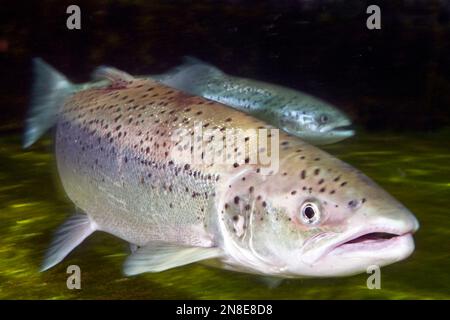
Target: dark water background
{"type": "Point", "coordinates": [393, 82]}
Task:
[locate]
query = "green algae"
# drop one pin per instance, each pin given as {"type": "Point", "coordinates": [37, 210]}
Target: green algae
{"type": "Point", "coordinates": [415, 168]}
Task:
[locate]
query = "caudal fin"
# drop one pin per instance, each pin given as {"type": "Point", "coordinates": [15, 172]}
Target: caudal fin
{"type": "Point", "coordinates": [50, 88]}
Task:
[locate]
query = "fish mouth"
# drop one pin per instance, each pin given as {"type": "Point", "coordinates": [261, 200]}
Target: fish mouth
{"type": "Point", "coordinates": [374, 241]}
{"type": "Point", "coordinates": [341, 131]}
{"type": "Point", "coordinates": [352, 254]}
{"type": "Point", "coordinates": [369, 241]}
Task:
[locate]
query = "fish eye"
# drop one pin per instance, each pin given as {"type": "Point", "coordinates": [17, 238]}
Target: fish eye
{"type": "Point", "coordinates": [323, 118]}
{"type": "Point", "coordinates": [310, 213]}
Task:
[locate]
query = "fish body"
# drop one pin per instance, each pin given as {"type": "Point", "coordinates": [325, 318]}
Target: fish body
{"type": "Point", "coordinates": [295, 112]}
{"type": "Point", "coordinates": [125, 158]}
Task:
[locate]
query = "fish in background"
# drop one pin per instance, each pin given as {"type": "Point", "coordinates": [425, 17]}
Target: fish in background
{"type": "Point", "coordinates": [295, 112]}
{"type": "Point", "coordinates": [117, 159]}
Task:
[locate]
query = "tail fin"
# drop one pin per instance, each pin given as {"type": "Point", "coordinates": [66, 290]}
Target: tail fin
{"type": "Point", "coordinates": [50, 88]}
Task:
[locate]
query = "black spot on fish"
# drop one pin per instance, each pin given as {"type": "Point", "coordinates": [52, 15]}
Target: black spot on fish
{"type": "Point", "coordinates": [303, 174]}
{"type": "Point", "coordinates": [353, 204]}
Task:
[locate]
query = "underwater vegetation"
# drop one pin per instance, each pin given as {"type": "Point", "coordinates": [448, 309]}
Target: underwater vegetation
{"type": "Point", "coordinates": [33, 205]}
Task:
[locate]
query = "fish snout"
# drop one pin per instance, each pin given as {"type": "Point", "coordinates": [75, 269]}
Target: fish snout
{"type": "Point", "coordinates": [398, 221]}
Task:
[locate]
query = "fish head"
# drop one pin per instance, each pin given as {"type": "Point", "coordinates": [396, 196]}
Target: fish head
{"type": "Point", "coordinates": [313, 218]}
{"type": "Point", "coordinates": [315, 121]}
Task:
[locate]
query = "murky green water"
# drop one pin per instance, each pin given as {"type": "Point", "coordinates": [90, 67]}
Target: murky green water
{"type": "Point", "coordinates": [414, 168]}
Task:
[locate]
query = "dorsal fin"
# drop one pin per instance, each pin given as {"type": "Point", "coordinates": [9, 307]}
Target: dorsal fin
{"type": "Point", "coordinates": [116, 76]}
{"type": "Point", "coordinates": [189, 61]}
{"type": "Point", "coordinates": [191, 76]}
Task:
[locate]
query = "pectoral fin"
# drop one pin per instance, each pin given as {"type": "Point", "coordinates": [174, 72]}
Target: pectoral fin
{"type": "Point", "coordinates": [271, 282]}
{"type": "Point", "coordinates": [67, 237]}
{"type": "Point", "coordinates": [156, 257]}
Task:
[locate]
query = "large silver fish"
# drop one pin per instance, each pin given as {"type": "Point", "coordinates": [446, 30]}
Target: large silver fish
{"type": "Point", "coordinates": [295, 112]}
{"type": "Point", "coordinates": [121, 163]}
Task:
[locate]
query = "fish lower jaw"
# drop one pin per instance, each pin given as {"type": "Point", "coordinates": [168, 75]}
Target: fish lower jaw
{"type": "Point", "coordinates": [342, 133]}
